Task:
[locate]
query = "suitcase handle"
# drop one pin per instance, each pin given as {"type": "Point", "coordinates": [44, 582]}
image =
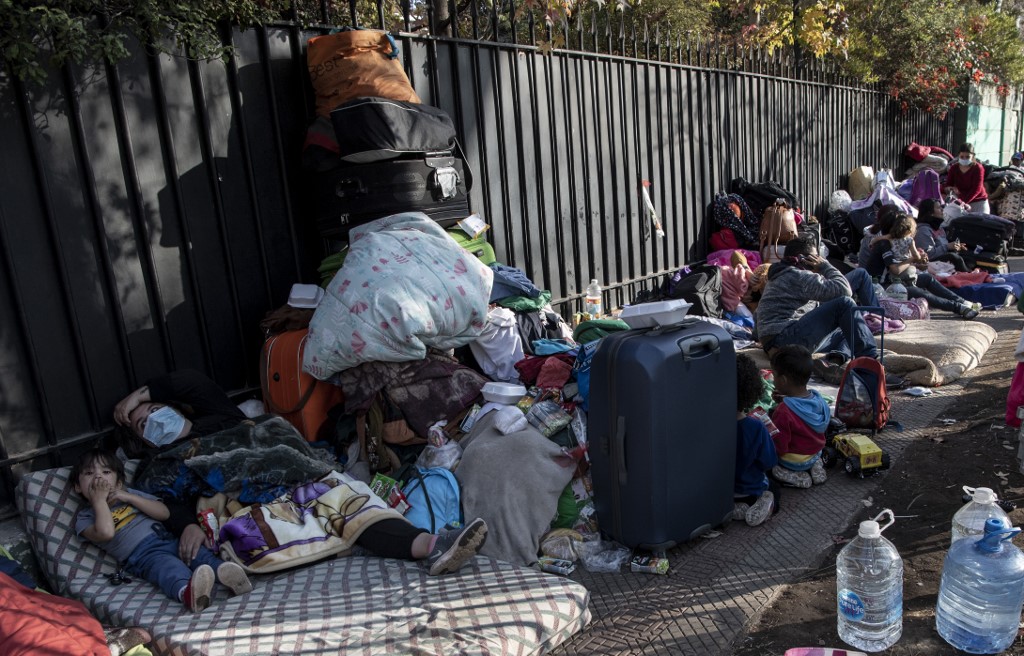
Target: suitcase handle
{"type": "Point", "coordinates": [699, 346]}
{"type": "Point", "coordinates": [350, 187]}
{"type": "Point", "coordinates": [619, 448]}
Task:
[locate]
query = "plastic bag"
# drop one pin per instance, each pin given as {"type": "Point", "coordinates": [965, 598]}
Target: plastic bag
{"type": "Point", "coordinates": [510, 419]}
{"type": "Point", "coordinates": [446, 456]}
{"type": "Point", "coordinates": [603, 556]}
{"type": "Point", "coordinates": [839, 201]}
{"type": "Point", "coordinates": [548, 417]}
{"type": "Point", "coordinates": [562, 543]}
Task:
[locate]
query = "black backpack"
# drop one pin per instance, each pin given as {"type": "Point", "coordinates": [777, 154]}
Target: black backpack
{"type": "Point", "coordinates": [761, 195]}
{"type": "Point", "coordinates": [701, 286]}
{"type": "Point", "coordinates": [839, 231]}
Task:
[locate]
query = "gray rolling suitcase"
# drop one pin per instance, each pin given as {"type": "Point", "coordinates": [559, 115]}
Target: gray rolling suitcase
{"type": "Point", "coordinates": [662, 431]}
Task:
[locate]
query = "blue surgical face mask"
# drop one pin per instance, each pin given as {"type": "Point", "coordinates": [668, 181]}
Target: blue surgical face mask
{"type": "Point", "coordinates": [163, 426]}
{"type": "Point", "coordinates": [964, 161]}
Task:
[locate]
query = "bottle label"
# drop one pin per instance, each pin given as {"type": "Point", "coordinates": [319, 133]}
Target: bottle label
{"type": "Point", "coordinates": [850, 605]}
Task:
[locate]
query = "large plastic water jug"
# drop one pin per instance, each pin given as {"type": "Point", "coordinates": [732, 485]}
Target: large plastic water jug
{"type": "Point", "coordinates": [982, 591]}
{"type": "Point", "coordinates": [970, 520]}
{"type": "Point", "coordinates": [869, 582]}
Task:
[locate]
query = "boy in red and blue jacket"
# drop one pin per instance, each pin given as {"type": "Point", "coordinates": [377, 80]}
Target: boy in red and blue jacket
{"type": "Point", "coordinates": [802, 418]}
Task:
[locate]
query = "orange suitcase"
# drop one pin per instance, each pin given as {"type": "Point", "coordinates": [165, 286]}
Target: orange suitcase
{"type": "Point", "coordinates": [289, 391]}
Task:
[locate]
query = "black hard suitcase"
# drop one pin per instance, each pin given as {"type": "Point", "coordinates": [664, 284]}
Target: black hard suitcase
{"type": "Point", "coordinates": [352, 195]}
{"type": "Point", "coordinates": [993, 233]}
{"type": "Point", "coordinates": [662, 431]}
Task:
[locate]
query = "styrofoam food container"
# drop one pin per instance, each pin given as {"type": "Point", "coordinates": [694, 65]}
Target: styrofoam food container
{"type": "Point", "coordinates": [504, 393]}
{"type": "Point", "coordinates": [305, 296]}
{"type": "Point", "coordinates": [658, 313]}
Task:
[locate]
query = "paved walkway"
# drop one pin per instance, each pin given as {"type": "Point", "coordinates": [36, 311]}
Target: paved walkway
{"type": "Point", "coordinates": [717, 587]}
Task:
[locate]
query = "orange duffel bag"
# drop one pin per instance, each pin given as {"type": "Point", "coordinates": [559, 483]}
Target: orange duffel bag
{"type": "Point", "coordinates": [289, 391]}
{"type": "Point", "coordinates": [353, 64]}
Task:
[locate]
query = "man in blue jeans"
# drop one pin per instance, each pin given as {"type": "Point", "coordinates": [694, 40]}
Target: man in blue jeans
{"type": "Point", "coordinates": [809, 302]}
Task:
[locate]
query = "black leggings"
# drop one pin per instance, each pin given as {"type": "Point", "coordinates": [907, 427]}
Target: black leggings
{"type": "Point", "coordinates": [390, 538]}
{"type": "Point", "coordinates": [956, 260]}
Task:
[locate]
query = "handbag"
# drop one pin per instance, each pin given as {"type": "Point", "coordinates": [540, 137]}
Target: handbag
{"type": "Point", "coordinates": [778, 228]}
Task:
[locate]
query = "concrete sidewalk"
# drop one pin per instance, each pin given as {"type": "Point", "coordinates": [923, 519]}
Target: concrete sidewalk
{"type": "Point", "coordinates": [717, 587]}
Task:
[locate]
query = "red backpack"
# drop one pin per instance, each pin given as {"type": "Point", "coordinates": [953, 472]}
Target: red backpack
{"type": "Point", "coordinates": [862, 401]}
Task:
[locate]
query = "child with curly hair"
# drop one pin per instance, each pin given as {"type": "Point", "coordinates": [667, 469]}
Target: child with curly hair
{"type": "Point", "coordinates": [126, 524]}
{"type": "Point", "coordinates": [755, 496]}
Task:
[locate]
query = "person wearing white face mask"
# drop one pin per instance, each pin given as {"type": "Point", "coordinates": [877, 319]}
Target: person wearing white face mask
{"type": "Point", "coordinates": [966, 180]}
{"type": "Point", "coordinates": [188, 404]}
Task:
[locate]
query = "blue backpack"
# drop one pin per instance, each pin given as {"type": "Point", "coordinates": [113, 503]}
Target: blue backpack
{"type": "Point", "coordinates": [433, 496]}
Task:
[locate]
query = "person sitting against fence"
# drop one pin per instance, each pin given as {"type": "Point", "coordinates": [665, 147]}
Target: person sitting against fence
{"type": "Point", "coordinates": [965, 179]}
{"type": "Point", "coordinates": [186, 403]}
{"type": "Point", "coordinates": [755, 496]}
{"type": "Point", "coordinates": [802, 418]}
{"type": "Point", "coordinates": [126, 524]}
{"type": "Point", "coordinates": [900, 236]}
{"type": "Point", "coordinates": [883, 266]}
{"type": "Point", "coordinates": [806, 301]}
{"type": "Point", "coordinates": [931, 237]}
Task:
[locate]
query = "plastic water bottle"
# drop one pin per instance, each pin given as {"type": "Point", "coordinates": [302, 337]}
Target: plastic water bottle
{"type": "Point", "coordinates": [970, 520]}
{"type": "Point", "coordinates": [982, 590]}
{"type": "Point", "coordinates": [592, 304]}
{"type": "Point", "coordinates": [869, 582]}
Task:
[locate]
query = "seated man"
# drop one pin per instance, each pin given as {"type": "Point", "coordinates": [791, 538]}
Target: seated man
{"type": "Point", "coordinates": [186, 403]}
{"type": "Point", "coordinates": [806, 301]}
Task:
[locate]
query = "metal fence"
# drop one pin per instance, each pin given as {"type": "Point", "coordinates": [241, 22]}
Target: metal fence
{"type": "Point", "coordinates": [152, 212]}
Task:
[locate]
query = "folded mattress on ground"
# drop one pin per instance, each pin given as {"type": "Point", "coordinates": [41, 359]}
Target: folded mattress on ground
{"type": "Point", "coordinates": [353, 605]}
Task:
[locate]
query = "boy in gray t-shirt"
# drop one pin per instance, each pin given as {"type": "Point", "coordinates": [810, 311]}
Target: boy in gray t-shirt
{"type": "Point", "coordinates": [126, 524]}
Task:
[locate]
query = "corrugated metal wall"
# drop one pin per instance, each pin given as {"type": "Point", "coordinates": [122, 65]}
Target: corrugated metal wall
{"type": "Point", "coordinates": [151, 213]}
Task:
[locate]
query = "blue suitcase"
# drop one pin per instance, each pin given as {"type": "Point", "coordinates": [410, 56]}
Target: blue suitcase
{"type": "Point", "coordinates": [662, 432]}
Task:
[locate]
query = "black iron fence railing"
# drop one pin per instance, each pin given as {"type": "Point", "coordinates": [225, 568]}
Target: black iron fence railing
{"type": "Point", "coordinates": [152, 212]}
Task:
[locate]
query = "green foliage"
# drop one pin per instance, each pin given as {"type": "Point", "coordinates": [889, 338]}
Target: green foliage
{"type": "Point", "coordinates": [943, 45]}
{"type": "Point", "coordinates": [38, 34]}
{"type": "Point", "coordinates": [924, 52]}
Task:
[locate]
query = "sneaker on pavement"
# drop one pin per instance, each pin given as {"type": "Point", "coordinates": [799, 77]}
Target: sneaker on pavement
{"type": "Point", "coordinates": [818, 475]}
{"type": "Point", "coordinates": [761, 510]}
{"type": "Point", "coordinates": [892, 381]}
{"type": "Point", "coordinates": [196, 596]}
{"type": "Point", "coordinates": [739, 511]}
{"type": "Point", "coordinates": [827, 372]}
{"type": "Point", "coordinates": [967, 311]}
{"type": "Point", "coordinates": [232, 576]}
{"type": "Point", "coordinates": [792, 478]}
{"type": "Point", "coordinates": [455, 547]}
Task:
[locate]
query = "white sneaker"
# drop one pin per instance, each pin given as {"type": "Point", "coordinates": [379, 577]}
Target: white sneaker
{"type": "Point", "coordinates": [792, 478]}
{"type": "Point", "coordinates": [761, 510]}
{"type": "Point", "coordinates": [739, 511]}
{"type": "Point", "coordinates": [233, 577]}
{"type": "Point", "coordinates": [818, 475]}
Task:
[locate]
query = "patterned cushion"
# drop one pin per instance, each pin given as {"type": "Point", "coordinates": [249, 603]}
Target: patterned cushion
{"type": "Point", "coordinates": [356, 605]}
{"type": "Point", "coordinates": [48, 502]}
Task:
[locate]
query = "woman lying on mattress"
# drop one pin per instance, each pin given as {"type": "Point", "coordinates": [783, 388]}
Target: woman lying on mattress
{"type": "Point", "coordinates": [156, 419]}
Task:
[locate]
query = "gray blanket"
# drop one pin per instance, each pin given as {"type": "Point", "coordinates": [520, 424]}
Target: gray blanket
{"type": "Point", "coordinates": [513, 482]}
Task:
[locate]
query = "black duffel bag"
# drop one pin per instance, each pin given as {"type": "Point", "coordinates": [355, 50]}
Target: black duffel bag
{"type": "Point", "coordinates": [701, 286]}
{"type": "Point", "coordinates": [761, 195]}
{"type": "Point", "coordinates": [374, 129]}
